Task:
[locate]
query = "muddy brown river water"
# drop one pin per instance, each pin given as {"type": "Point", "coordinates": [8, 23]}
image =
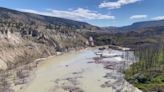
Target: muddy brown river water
{"type": "Point", "coordinates": [79, 72]}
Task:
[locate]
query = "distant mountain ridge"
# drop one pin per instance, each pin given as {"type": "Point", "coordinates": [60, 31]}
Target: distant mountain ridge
{"type": "Point", "coordinates": [137, 26]}
{"type": "Point", "coordinates": [30, 18]}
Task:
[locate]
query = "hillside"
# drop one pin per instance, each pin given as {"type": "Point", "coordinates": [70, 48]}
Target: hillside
{"type": "Point", "coordinates": [29, 18]}
{"type": "Point", "coordinates": [25, 34]}
{"type": "Point", "coordinates": [25, 37]}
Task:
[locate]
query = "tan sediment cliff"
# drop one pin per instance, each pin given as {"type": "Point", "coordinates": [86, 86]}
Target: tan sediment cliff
{"type": "Point", "coordinates": [40, 42]}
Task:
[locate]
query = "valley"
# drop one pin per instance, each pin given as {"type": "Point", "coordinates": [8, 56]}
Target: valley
{"type": "Point", "coordinates": [41, 53]}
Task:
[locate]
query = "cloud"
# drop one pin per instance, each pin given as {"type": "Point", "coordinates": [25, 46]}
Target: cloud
{"type": "Point", "coordinates": [117, 4]}
{"type": "Point", "coordinates": [138, 17]}
{"type": "Point", "coordinates": [77, 14]}
{"type": "Point", "coordinates": [158, 18]}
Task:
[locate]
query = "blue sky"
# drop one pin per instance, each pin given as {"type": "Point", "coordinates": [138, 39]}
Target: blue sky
{"type": "Point", "coordinates": [96, 12]}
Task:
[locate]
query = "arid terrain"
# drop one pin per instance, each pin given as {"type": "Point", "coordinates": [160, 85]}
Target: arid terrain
{"type": "Point", "coordinates": [40, 53]}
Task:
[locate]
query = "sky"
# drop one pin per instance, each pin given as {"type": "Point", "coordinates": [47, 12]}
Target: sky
{"type": "Point", "coordinates": [96, 12]}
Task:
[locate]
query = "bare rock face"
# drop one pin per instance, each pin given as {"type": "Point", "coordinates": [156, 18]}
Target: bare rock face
{"type": "Point", "coordinates": [3, 65]}
{"type": "Point", "coordinates": [25, 37]}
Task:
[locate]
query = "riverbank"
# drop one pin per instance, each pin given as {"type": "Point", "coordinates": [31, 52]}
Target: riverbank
{"type": "Point", "coordinates": [116, 63]}
{"type": "Point", "coordinates": [46, 64]}
{"type": "Point", "coordinates": [79, 72]}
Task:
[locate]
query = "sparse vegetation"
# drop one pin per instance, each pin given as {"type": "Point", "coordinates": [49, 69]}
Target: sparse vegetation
{"type": "Point", "coordinates": [148, 73]}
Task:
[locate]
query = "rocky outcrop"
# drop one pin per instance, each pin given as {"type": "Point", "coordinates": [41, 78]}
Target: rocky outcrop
{"type": "Point", "coordinates": [21, 41]}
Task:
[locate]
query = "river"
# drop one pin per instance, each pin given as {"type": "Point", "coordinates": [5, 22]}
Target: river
{"type": "Point", "coordinates": [80, 72]}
